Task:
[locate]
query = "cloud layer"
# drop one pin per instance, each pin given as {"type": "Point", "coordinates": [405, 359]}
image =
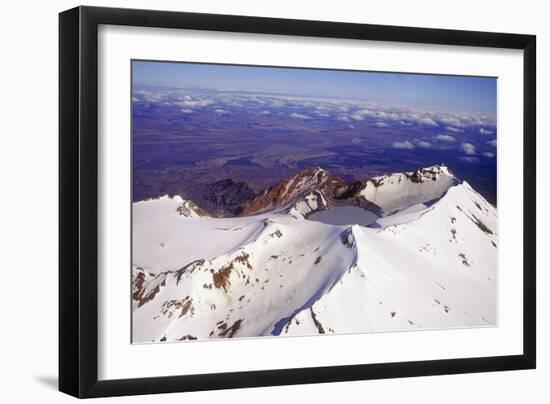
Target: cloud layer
{"type": "Point", "coordinates": [345, 110]}
{"type": "Point", "coordinates": [470, 134]}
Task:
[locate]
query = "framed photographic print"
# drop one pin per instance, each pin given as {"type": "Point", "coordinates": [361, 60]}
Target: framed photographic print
{"type": "Point", "coordinates": [251, 201]}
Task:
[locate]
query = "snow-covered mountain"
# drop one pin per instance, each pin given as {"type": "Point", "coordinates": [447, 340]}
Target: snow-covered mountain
{"type": "Point", "coordinates": [306, 192]}
{"type": "Point", "coordinates": [393, 192]}
{"type": "Point", "coordinates": [310, 259]}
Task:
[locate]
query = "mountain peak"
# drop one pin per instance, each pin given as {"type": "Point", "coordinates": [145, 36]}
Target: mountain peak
{"type": "Point", "coordinates": [312, 180]}
{"type": "Point", "coordinates": [396, 191]}
{"type": "Point", "coordinates": [432, 173]}
{"type": "Point", "coordinates": [319, 189]}
{"type": "Point", "coordinates": [315, 172]}
{"type": "Point", "coordinates": [314, 188]}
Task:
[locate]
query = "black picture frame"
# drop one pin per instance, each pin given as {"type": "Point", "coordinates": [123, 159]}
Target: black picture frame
{"type": "Point", "coordinates": [78, 201]}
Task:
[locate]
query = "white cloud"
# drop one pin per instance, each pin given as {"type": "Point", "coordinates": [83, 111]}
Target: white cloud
{"type": "Point", "coordinates": [492, 143]}
{"type": "Point", "coordinates": [265, 113]}
{"type": "Point", "coordinates": [299, 116]}
{"type": "Point", "coordinates": [469, 159]}
{"type": "Point", "coordinates": [343, 118]}
{"type": "Point", "coordinates": [425, 145]}
{"type": "Point", "coordinates": [321, 112]}
{"type": "Point", "coordinates": [485, 131]}
{"type": "Point", "coordinates": [364, 112]}
{"type": "Point", "coordinates": [445, 138]}
{"type": "Point", "coordinates": [195, 103]}
{"type": "Point", "coordinates": [277, 103]}
{"type": "Point", "coordinates": [468, 148]}
{"type": "Point", "coordinates": [403, 145]}
{"type": "Point", "coordinates": [385, 115]}
{"type": "Point", "coordinates": [427, 121]}
{"type": "Point", "coordinates": [453, 129]}
{"type": "Point", "coordinates": [220, 111]}
{"type": "Point", "coordinates": [187, 111]}
{"type": "Point", "coordinates": [489, 155]}
{"type": "Point", "coordinates": [149, 96]}
{"type": "Point", "coordinates": [418, 118]}
{"type": "Point", "coordinates": [392, 116]}
{"type": "Point", "coordinates": [452, 121]}
{"type": "Point", "coordinates": [382, 124]}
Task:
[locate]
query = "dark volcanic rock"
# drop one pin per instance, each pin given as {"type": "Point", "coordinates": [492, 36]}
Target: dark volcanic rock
{"type": "Point", "coordinates": [227, 196]}
{"type": "Point", "coordinates": [349, 190]}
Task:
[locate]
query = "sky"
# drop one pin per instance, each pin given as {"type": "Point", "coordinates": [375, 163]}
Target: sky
{"type": "Point", "coordinates": [458, 93]}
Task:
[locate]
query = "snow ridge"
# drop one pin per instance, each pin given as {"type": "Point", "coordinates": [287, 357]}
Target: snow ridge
{"type": "Point", "coordinates": [198, 277]}
{"type": "Point", "coordinates": [393, 192]}
{"type": "Point", "coordinates": [304, 193]}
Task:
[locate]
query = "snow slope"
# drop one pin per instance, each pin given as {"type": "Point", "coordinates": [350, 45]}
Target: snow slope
{"type": "Point", "coordinates": [429, 265]}
{"type": "Point", "coordinates": [394, 192]}
{"type": "Point", "coordinates": [436, 269]}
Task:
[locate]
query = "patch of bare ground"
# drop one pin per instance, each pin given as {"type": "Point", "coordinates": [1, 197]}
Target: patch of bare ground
{"type": "Point", "coordinates": [464, 259]}
{"type": "Point", "coordinates": [187, 337]}
{"type": "Point", "coordinates": [169, 307]}
{"type": "Point", "coordinates": [243, 259]}
{"type": "Point", "coordinates": [187, 306]}
{"type": "Point", "coordinates": [230, 331]}
{"type": "Point", "coordinates": [481, 225]}
{"type": "Point", "coordinates": [316, 322]}
{"type": "Point", "coordinates": [145, 297]}
{"type": "Point", "coordinates": [453, 232]}
{"type": "Point", "coordinates": [221, 277]}
{"type": "Point", "coordinates": [289, 323]}
{"type": "Point", "coordinates": [445, 307]}
{"type": "Point", "coordinates": [138, 284]}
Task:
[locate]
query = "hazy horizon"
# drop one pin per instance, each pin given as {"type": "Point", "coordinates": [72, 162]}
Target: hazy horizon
{"type": "Point", "coordinates": [458, 93]}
